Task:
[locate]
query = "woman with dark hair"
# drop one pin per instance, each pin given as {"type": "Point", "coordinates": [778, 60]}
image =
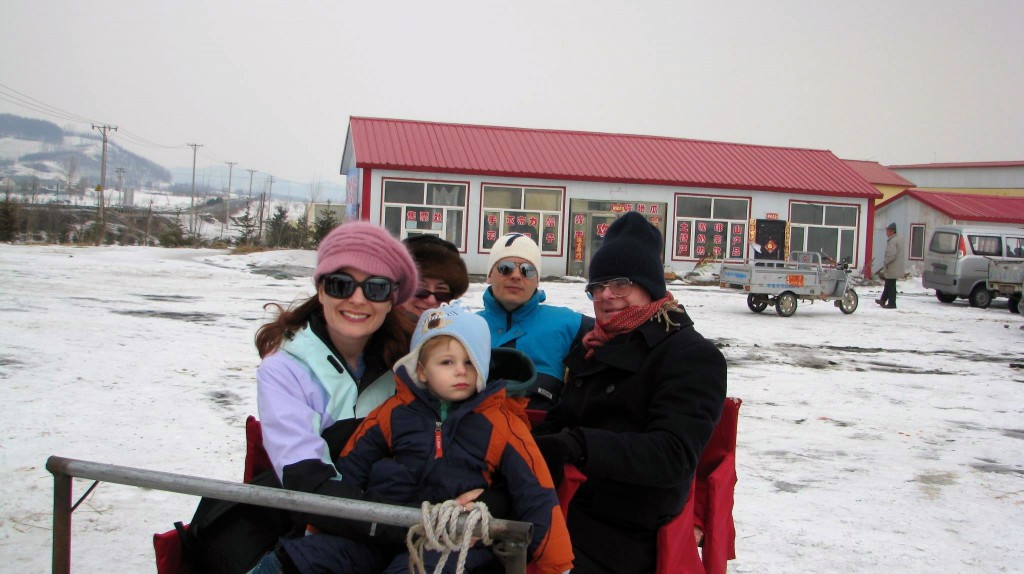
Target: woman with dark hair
{"type": "Point", "coordinates": [443, 275]}
{"type": "Point", "coordinates": [327, 361]}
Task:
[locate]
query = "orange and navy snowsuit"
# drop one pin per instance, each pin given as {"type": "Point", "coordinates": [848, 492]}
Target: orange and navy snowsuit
{"type": "Point", "coordinates": [414, 448]}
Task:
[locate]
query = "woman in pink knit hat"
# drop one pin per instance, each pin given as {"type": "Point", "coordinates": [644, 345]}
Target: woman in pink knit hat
{"type": "Point", "coordinates": [327, 360]}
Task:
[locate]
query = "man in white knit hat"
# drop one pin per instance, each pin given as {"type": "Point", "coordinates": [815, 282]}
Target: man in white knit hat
{"type": "Point", "coordinates": [517, 319]}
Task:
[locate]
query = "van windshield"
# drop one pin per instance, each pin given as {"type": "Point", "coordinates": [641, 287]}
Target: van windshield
{"type": "Point", "coordinates": [944, 242]}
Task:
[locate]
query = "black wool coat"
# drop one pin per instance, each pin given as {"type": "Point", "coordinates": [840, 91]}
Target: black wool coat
{"type": "Point", "coordinates": [646, 403]}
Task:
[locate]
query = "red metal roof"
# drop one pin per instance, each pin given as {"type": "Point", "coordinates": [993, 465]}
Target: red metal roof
{"type": "Point", "coordinates": [877, 173]}
{"type": "Point", "coordinates": [960, 164]}
{"type": "Point", "coordinates": [967, 206]}
{"type": "Point", "coordinates": [590, 156]}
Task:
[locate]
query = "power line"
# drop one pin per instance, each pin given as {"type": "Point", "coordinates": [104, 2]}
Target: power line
{"type": "Point", "coordinates": [44, 107]}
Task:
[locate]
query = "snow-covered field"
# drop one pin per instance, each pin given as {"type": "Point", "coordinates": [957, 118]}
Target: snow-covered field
{"type": "Point", "coordinates": [882, 441]}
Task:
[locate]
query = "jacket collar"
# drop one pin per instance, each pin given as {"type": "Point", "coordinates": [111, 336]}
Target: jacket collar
{"type": "Point", "coordinates": [525, 309]}
{"type": "Point", "coordinates": [628, 351]}
{"type": "Point", "coordinates": [409, 392]}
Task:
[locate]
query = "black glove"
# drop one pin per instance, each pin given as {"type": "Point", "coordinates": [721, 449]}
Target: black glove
{"type": "Point", "coordinates": [566, 447]}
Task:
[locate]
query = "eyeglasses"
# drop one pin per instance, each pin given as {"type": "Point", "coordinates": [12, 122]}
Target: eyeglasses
{"type": "Point", "coordinates": [440, 296]}
{"type": "Point", "coordinates": [619, 287]}
{"type": "Point", "coordinates": [505, 269]}
{"type": "Point", "coordinates": [343, 285]}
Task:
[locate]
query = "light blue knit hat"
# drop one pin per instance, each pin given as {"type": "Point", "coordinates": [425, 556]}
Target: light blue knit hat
{"type": "Point", "coordinates": [453, 320]}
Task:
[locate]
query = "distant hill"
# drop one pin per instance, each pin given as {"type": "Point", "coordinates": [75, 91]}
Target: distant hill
{"type": "Point", "coordinates": [31, 148]}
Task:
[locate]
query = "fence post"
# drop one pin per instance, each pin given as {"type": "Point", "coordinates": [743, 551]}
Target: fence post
{"type": "Point", "coordinates": [61, 523]}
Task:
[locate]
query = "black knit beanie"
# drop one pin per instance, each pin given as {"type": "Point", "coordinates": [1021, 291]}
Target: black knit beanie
{"type": "Point", "coordinates": [437, 258]}
{"type": "Point", "coordinates": [631, 249]}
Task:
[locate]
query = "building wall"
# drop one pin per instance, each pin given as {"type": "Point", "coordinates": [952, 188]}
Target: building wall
{"type": "Point", "coordinates": [907, 212]}
{"type": "Point", "coordinates": [1005, 177]}
{"type": "Point", "coordinates": [761, 205]}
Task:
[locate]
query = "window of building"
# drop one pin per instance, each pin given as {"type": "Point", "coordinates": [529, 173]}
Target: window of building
{"type": "Point", "coordinates": [425, 207]}
{"type": "Point", "coordinates": [824, 228]}
{"type": "Point", "coordinates": [533, 211]}
{"type": "Point", "coordinates": [707, 226]}
{"type": "Point", "coordinates": [916, 241]}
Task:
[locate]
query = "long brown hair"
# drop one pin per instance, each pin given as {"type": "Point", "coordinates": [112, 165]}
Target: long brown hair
{"type": "Point", "coordinates": [391, 339]}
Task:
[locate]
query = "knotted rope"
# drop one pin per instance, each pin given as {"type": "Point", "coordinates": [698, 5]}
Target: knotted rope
{"type": "Point", "coordinates": [438, 531]}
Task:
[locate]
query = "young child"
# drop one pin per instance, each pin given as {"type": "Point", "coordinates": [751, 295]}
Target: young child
{"type": "Point", "coordinates": [445, 434]}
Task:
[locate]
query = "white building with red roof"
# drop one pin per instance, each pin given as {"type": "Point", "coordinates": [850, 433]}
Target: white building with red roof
{"type": "Point", "coordinates": [470, 184]}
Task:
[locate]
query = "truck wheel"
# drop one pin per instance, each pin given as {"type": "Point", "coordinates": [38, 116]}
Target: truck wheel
{"type": "Point", "coordinates": [945, 297]}
{"type": "Point", "coordinates": [848, 304]}
{"type": "Point", "coordinates": [1014, 304]}
{"type": "Point", "coordinates": [757, 302]}
{"type": "Point", "coordinates": [980, 297]}
{"type": "Point", "coordinates": [785, 304]}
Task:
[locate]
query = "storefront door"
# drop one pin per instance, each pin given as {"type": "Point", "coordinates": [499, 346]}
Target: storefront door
{"type": "Point", "coordinates": [589, 222]}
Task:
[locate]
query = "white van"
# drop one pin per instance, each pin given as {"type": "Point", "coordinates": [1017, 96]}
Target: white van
{"type": "Point", "coordinates": [956, 263]}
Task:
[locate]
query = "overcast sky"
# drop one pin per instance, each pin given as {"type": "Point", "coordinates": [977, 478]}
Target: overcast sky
{"type": "Point", "coordinates": [271, 85]}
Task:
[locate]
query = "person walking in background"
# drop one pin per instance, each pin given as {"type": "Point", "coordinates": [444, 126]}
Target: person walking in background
{"type": "Point", "coordinates": [892, 268]}
{"type": "Point", "coordinates": [327, 360]}
{"type": "Point", "coordinates": [642, 397]}
{"type": "Point", "coordinates": [517, 317]}
{"type": "Point", "coordinates": [442, 273]}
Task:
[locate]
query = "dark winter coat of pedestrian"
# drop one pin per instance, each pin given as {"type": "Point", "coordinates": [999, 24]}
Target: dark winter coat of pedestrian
{"type": "Point", "coordinates": [643, 394]}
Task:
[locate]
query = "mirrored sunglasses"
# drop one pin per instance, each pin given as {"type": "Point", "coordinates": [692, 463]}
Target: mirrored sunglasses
{"type": "Point", "coordinates": [343, 285]}
{"type": "Point", "coordinates": [505, 268]}
{"type": "Point", "coordinates": [439, 296]}
{"type": "Point", "coordinates": [619, 287]}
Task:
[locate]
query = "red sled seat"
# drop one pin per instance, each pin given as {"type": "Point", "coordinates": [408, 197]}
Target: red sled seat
{"type": "Point", "coordinates": [167, 545]}
{"type": "Point", "coordinates": [709, 506]}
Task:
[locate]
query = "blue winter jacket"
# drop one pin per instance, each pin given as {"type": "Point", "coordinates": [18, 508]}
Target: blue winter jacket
{"type": "Point", "coordinates": [545, 333]}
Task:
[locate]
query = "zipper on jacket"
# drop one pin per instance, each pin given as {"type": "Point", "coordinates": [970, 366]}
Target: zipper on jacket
{"type": "Point", "coordinates": [437, 429]}
{"type": "Point", "coordinates": [437, 440]}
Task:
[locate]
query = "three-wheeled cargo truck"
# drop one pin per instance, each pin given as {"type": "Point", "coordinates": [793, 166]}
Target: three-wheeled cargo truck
{"type": "Point", "coordinates": [782, 283]}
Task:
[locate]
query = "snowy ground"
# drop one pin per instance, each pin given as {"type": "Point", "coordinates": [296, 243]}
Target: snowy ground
{"type": "Point", "coordinates": [879, 441]}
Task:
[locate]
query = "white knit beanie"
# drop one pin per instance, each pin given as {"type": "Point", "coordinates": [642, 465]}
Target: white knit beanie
{"type": "Point", "coordinates": [515, 245]}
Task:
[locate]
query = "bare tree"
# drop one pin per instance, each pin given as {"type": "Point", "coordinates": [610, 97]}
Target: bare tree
{"type": "Point", "coordinates": [69, 167]}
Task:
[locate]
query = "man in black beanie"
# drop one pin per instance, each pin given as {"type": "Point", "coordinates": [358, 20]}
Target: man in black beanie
{"type": "Point", "coordinates": [643, 393]}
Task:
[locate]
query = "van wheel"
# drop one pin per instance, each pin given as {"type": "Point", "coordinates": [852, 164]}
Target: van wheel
{"type": "Point", "coordinates": [945, 297]}
{"type": "Point", "coordinates": [980, 297]}
{"type": "Point", "coordinates": [1014, 304]}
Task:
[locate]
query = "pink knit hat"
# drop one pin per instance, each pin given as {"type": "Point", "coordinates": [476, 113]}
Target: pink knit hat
{"type": "Point", "coordinates": [370, 249]}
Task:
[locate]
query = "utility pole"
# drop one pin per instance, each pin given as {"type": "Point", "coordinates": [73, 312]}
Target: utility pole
{"type": "Point", "coordinates": [227, 198]}
{"type": "Point", "coordinates": [120, 183]}
{"type": "Point", "coordinates": [251, 171]}
{"type": "Point", "coordinates": [103, 182]}
{"type": "Point", "coordinates": [192, 218]}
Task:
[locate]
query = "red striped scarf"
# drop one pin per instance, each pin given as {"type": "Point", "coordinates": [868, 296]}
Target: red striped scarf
{"type": "Point", "coordinates": [629, 319]}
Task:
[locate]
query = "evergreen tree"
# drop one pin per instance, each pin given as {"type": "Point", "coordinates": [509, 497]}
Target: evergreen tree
{"type": "Point", "coordinates": [8, 218]}
{"type": "Point", "coordinates": [174, 236]}
{"type": "Point", "coordinates": [325, 222]}
{"type": "Point", "coordinates": [301, 239]}
{"type": "Point", "coordinates": [279, 229]}
{"type": "Point", "coordinates": [247, 226]}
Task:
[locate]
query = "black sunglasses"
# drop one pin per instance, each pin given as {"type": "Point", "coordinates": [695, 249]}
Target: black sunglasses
{"type": "Point", "coordinates": [439, 296]}
{"type": "Point", "coordinates": [619, 287]}
{"type": "Point", "coordinates": [343, 285]}
{"type": "Point", "coordinates": [505, 268]}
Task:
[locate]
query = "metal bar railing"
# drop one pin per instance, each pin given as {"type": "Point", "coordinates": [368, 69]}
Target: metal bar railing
{"type": "Point", "coordinates": [511, 537]}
